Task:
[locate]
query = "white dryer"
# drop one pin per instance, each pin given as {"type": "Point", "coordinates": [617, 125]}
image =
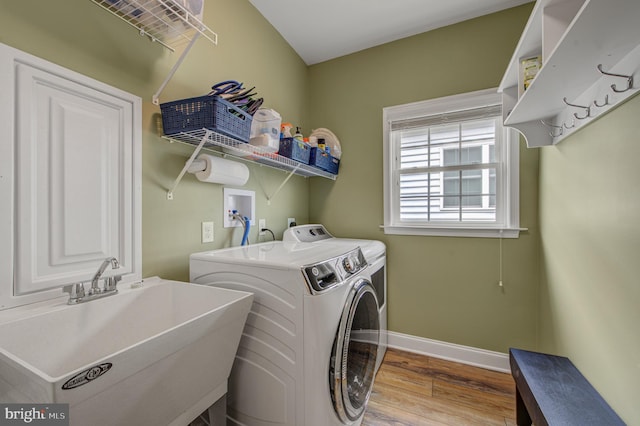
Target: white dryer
{"type": "Point", "coordinates": [310, 344]}
{"type": "Point", "coordinates": [375, 254]}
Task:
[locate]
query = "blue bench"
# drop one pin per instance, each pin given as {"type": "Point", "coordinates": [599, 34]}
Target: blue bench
{"type": "Point", "coordinates": [551, 391]}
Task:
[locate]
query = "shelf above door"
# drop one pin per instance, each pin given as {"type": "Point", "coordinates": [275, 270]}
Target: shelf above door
{"type": "Point", "coordinates": [163, 21]}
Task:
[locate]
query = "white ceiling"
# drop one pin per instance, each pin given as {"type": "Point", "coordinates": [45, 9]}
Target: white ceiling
{"type": "Point", "coordinates": [320, 30]}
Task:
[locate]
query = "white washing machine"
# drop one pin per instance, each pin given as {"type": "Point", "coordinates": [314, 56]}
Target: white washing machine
{"type": "Point", "coordinates": [375, 254]}
{"type": "Point", "coordinates": [310, 344]}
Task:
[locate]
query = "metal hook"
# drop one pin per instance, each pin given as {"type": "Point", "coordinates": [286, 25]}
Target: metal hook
{"type": "Point", "coordinates": [573, 124]}
{"type": "Point", "coordinates": [613, 86]}
{"type": "Point", "coordinates": [552, 126]}
{"type": "Point", "coordinates": [606, 102]}
{"type": "Point", "coordinates": [588, 108]}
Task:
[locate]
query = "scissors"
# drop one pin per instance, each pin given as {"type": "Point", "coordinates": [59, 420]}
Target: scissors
{"type": "Point", "coordinates": [225, 88]}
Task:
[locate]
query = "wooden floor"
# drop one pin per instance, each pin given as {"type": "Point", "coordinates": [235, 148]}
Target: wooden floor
{"type": "Point", "coordinates": [412, 389]}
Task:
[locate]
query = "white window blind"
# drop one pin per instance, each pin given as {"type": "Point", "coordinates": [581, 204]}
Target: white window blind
{"type": "Point", "coordinates": [449, 165]}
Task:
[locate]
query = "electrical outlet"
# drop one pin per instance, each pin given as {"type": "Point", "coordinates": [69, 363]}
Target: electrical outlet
{"type": "Point", "coordinates": [262, 223]}
{"type": "Point", "coordinates": [290, 221]}
{"type": "Point", "coordinates": [207, 232]}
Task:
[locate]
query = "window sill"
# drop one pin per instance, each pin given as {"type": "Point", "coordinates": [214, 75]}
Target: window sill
{"type": "Point", "coordinates": [441, 231]}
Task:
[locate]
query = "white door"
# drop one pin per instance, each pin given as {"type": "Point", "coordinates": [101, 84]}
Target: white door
{"type": "Point", "coordinates": [71, 149]}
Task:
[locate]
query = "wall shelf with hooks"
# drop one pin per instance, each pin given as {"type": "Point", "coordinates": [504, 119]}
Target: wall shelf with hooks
{"type": "Point", "coordinates": [590, 53]}
{"type": "Point", "coordinates": [167, 22]}
{"type": "Point", "coordinates": [208, 139]}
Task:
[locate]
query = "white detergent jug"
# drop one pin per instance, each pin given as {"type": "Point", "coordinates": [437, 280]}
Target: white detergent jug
{"type": "Point", "coordinates": [265, 130]}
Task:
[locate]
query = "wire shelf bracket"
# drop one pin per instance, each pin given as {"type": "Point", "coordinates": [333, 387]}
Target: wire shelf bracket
{"type": "Point", "coordinates": [156, 96]}
{"type": "Point", "coordinates": [279, 188]}
{"type": "Point", "coordinates": [187, 165]}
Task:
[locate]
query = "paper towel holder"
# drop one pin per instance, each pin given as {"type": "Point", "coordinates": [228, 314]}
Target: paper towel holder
{"type": "Point", "coordinates": [212, 169]}
{"type": "Point", "coordinates": [188, 165]}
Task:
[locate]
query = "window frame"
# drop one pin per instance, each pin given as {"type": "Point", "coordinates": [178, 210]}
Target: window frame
{"type": "Point", "coordinates": [507, 224]}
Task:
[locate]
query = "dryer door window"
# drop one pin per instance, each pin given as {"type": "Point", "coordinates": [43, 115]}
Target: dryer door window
{"type": "Point", "coordinates": [355, 351]}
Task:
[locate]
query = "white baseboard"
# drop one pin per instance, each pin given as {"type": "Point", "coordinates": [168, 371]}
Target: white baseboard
{"type": "Point", "coordinates": [490, 360]}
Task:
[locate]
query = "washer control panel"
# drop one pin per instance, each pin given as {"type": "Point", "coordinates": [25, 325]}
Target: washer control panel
{"type": "Point", "coordinates": [325, 275]}
{"type": "Point", "coordinates": [306, 233]}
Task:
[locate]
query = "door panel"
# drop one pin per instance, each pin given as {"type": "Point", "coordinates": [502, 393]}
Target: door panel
{"type": "Point", "coordinates": [73, 187]}
{"type": "Point", "coordinates": [70, 186]}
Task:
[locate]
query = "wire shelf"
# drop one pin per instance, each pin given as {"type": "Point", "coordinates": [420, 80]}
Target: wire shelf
{"type": "Point", "coordinates": [247, 152]}
{"type": "Point", "coordinates": [163, 21]}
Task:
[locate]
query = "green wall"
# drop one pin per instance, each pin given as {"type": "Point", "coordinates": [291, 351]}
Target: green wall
{"type": "Point", "coordinates": [589, 209]}
{"type": "Point", "coordinates": [80, 36]}
{"type": "Point", "coordinates": [438, 288]}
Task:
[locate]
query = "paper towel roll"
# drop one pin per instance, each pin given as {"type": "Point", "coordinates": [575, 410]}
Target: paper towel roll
{"type": "Point", "coordinates": [220, 170]}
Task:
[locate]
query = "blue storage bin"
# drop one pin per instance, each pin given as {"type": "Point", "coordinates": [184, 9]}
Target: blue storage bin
{"type": "Point", "coordinates": [324, 161]}
{"type": "Point", "coordinates": [210, 112]}
{"type": "Point", "coordinates": [294, 149]}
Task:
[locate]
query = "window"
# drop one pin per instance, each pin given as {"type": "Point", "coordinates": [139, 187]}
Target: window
{"type": "Point", "coordinates": [451, 168]}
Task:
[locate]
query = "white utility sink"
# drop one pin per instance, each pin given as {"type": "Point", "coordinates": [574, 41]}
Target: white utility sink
{"type": "Point", "coordinates": [155, 355]}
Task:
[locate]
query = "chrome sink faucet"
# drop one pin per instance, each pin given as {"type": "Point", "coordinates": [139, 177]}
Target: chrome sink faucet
{"type": "Point", "coordinates": [94, 282]}
{"type": "Point", "coordinates": [77, 292]}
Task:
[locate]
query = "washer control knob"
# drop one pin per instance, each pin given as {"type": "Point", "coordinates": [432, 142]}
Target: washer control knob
{"type": "Point", "coordinates": [350, 264]}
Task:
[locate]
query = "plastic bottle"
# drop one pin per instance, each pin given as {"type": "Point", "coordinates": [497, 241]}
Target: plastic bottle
{"type": "Point", "coordinates": [285, 130]}
{"type": "Point", "coordinates": [298, 135]}
{"type": "Point", "coordinates": [321, 145]}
